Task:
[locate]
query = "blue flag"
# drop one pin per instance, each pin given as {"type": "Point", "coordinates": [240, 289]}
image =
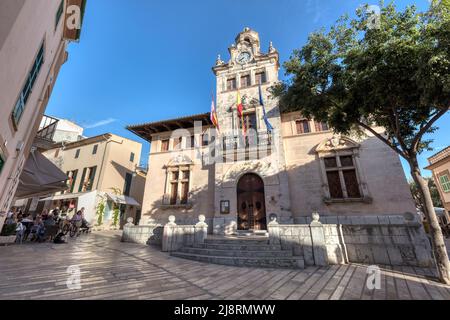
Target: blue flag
{"type": "Point", "coordinates": [266, 121]}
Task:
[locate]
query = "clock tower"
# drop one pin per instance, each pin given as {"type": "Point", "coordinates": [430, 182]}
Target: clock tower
{"type": "Point", "coordinates": [251, 186]}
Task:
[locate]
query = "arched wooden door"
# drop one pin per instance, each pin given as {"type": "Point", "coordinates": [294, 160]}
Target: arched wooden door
{"type": "Point", "coordinates": [251, 203]}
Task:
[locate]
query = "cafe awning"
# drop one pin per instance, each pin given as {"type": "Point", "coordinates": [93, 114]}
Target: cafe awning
{"type": "Point", "coordinates": [67, 196]}
{"type": "Point", "coordinates": [40, 177]}
{"type": "Point", "coordinates": [122, 199]}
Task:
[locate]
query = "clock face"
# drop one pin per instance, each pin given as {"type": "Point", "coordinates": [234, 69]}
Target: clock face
{"type": "Point", "coordinates": [244, 57]}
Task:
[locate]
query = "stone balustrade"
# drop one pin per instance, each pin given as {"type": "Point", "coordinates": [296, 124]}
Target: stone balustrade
{"type": "Point", "coordinates": [177, 236]}
{"type": "Point", "coordinates": [323, 244]}
{"type": "Point", "coordinates": [145, 234]}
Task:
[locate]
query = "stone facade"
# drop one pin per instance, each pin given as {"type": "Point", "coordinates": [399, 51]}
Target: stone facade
{"type": "Point", "coordinates": [294, 172]}
{"type": "Point", "coordinates": [355, 183]}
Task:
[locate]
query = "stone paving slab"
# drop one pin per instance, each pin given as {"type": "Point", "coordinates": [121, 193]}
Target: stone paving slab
{"type": "Point", "coordinates": [114, 270]}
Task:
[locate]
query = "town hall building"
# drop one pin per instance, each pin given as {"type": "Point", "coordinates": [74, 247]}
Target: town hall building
{"type": "Point", "coordinates": [263, 172]}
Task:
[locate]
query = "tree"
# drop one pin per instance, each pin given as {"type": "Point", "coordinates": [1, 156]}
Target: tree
{"type": "Point", "coordinates": [434, 192]}
{"type": "Point", "coordinates": [388, 69]}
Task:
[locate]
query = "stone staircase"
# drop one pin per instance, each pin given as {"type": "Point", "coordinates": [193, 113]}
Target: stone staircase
{"type": "Point", "coordinates": [241, 251]}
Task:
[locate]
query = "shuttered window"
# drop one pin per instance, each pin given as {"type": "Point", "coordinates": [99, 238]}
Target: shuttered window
{"type": "Point", "coordinates": [59, 13]}
{"type": "Point", "coordinates": [231, 84]}
{"type": "Point", "coordinates": [302, 126]}
{"type": "Point", "coordinates": [445, 182]}
{"type": "Point", "coordinates": [165, 145]}
{"type": "Point", "coordinates": [260, 77]}
{"type": "Point", "coordinates": [321, 126]}
{"type": "Point", "coordinates": [24, 94]}
{"type": "Point", "coordinates": [2, 162]}
{"type": "Point", "coordinates": [245, 81]}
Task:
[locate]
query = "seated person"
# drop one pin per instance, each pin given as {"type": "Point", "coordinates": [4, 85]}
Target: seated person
{"type": "Point", "coordinates": [49, 221]}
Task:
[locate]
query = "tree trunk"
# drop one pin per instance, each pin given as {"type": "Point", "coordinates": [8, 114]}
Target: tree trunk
{"type": "Point", "coordinates": [437, 239]}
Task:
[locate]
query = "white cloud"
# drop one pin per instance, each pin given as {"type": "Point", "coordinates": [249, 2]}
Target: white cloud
{"type": "Point", "coordinates": [99, 123]}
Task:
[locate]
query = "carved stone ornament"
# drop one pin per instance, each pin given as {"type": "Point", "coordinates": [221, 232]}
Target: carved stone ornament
{"type": "Point", "coordinates": [180, 160]}
{"type": "Point", "coordinates": [337, 142]}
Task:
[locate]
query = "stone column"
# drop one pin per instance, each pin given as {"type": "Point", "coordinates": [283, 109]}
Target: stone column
{"type": "Point", "coordinates": [318, 241]}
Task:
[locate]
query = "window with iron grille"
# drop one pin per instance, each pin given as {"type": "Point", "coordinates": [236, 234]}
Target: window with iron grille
{"type": "Point", "coordinates": [94, 150]}
{"type": "Point", "coordinates": [132, 157]}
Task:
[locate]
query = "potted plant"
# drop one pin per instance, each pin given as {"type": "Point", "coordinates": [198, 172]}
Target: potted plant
{"type": "Point", "coordinates": [8, 234]}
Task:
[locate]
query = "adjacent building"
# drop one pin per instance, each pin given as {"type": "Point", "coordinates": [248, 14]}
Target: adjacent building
{"type": "Point", "coordinates": [64, 131]}
{"type": "Point", "coordinates": [101, 170]}
{"type": "Point", "coordinates": [245, 175]}
{"type": "Point", "coordinates": [33, 39]}
{"type": "Point", "coordinates": [439, 164]}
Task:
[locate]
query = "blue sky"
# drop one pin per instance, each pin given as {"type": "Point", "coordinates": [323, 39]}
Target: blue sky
{"type": "Point", "coordinates": [146, 60]}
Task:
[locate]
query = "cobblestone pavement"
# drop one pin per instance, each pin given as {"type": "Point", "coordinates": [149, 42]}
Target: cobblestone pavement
{"type": "Point", "coordinates": [114, 270]}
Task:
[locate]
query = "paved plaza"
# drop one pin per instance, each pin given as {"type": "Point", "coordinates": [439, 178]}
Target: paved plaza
{"type": "Point", "coordinates": [114, 270]}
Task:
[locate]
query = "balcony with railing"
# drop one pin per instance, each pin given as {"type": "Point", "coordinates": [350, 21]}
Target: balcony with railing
{"type": "Point", "coordinates": [46, 132]}
{"type": "Point", "coordinates": [254, 145]}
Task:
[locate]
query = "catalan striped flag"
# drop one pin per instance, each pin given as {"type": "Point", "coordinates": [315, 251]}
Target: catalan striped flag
{"type": "Point", "coordinates": [213, 115]}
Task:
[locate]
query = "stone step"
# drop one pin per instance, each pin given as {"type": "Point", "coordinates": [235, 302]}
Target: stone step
{"type": "Point", "coordinates": [237, 253]}
{"type": "Point", "coordinates": [232, 247]}
{"type": "Point", "coordinates": [238, 241]}
{"type": "Point", "coordinates": [263, 262]}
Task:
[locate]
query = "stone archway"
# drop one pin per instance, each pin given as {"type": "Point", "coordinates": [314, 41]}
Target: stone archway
{"type": "Point", "coordinates": [251, 205]}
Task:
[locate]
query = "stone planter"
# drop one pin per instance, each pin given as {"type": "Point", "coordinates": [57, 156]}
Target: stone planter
{"type": "Point", "coordinates": [5, 240]}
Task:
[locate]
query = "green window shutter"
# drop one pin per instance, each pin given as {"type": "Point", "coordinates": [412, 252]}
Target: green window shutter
{"type": "Point", "coordinates": [445, 183]}
{"type": "Point", "coordinates": [2, 162]}
{"type": "Point", "coordinates": [91, 178]}
{"type": "Point", "coordinates": [74, 180]}
{"type": "Point", "coordinates": [82, 180]}
{"type": "Point", "coordinates": [59, 13]}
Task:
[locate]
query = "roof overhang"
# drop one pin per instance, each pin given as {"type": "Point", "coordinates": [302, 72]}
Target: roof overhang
{"type": "Point", "coordinates": [146, 130]}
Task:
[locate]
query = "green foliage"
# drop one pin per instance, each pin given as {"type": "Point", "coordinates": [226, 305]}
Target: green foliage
{"type": "Point", "coordinates": [100, 211]}
{"type": "Point", "coordinates": [9, 230]}
{"type": "Point", "coordinates": [437, 202]}
{"type": "Point", "coordinates": [395, 75]}
{"type": "Point", "coordinates": [116, 214]}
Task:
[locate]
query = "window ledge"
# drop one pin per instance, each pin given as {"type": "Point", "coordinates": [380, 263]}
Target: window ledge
{"type": "Point", "coordinates": [176, 206]}
{"type": "Point", "coordinates": [348, 200]}
{"type": "Point", "coordinates": [243, 88]}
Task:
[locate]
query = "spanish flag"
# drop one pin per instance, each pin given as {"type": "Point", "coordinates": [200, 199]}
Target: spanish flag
{"type": "Point", "coordinates": [213, 115]}
{"type": "Point", "coordinates": [240, 109]}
